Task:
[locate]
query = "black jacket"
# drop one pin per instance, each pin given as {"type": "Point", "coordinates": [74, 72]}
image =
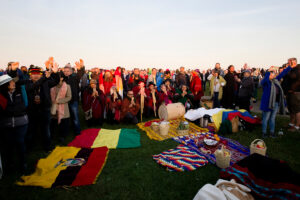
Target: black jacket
{"type": "Point", "coordinates": [246, 87]}
{"type": "Point", "coordinates": [73, 80]}
{"type": "Point", "coordinates": [41, 87]}
{"type": "Point", "coordinates": [14, 114]}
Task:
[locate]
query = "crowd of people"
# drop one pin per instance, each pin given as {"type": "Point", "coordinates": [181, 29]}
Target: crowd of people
{"type": "Point", "coordinates": [37, 102]}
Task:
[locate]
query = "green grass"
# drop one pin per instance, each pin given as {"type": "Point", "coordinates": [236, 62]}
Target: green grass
{"type": "Point", "coordinates": [133, 174]}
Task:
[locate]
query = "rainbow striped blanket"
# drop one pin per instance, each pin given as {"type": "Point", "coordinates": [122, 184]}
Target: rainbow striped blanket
{"type": "Point", "coordinates": [180, 159]}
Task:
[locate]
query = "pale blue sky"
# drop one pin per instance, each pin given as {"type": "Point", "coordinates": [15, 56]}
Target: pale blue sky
{"type": "Point", "coordinates": [160, 33]}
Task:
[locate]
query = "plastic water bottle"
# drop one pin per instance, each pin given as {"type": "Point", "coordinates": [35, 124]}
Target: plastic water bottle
{"type": "Point", "coordinates": [280, 132]}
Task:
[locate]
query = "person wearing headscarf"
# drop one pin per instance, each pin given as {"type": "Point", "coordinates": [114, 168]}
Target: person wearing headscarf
{"type": "Point", "coordinates": [160, 80]}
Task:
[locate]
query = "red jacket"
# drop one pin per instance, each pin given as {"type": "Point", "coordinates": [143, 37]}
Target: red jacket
{"type": "Point", "coordinates": [196, 86]}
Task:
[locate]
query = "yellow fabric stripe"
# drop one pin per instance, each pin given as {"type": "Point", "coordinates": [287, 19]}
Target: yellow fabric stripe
{"type": "Point", "coordinates": [193, 129]}
{"type": "Point", "coordinates": [46, 172]}
{"type": "Point", "coordinates": [217, 118]}
{"type": "Point", "coordinates": [107, 137]}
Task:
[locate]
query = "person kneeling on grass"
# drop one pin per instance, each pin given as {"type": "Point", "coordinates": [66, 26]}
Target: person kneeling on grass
{"type": "Point", "coordinates": [272, 99]}
{"type": "Point", "coordinates": [130, 108]}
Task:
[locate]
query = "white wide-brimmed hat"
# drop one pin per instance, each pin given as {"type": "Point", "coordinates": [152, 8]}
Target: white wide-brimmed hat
{"type": "Point", "coordinates": [5, 79]}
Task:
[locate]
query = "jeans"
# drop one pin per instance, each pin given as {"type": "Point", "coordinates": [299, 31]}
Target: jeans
{"type": "Point", "coordinates": [269, 116]}
{"type": "Point", "coordinates": [73, 107]}
{"type": "Point", "coordinates": [216, 100]}
{"type": "Point", "coordinates": [13, 138]}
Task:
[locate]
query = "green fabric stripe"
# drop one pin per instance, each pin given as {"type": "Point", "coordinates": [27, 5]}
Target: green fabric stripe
{"type": "Point", "coordinates": [129, 138]}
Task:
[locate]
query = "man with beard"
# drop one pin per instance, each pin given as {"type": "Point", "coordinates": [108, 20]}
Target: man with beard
{"type": "Point", "coordinates": [130, 108]}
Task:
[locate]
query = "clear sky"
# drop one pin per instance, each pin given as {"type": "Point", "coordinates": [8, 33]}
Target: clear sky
{"type": "Point", "coordinates": [152, 33]}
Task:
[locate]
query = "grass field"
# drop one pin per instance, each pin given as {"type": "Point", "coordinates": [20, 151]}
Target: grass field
{"type": "Point", "coordinates": [133, 174]}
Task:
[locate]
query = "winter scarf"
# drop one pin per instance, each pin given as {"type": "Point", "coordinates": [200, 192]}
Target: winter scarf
{"type": "Point", "coordinates": [58, 109]}
{"type": "Point", "coordinates": [272, 99]}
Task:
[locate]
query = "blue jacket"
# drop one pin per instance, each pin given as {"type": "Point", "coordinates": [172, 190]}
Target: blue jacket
{"type": "Point", "coordinates": [266, 85]}
{"type": "Point", "coordinates": [159, 80]}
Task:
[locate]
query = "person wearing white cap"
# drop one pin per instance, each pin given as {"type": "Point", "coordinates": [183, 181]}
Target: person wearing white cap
{"type": "Point", "coordinates": [13, 123]}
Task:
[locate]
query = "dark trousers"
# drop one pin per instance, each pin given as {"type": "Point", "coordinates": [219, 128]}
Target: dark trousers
{"type": "Point", "coordinates": [39, 124]}
{"type": "Point", "coordinates": [203, 85]}
{"type": "Point", "coordinates": [244, 103]}
{"type": "Point", "coordinates": [62, 127]}
{"type": "Point", "coordinates": [216, 100]}
{"type": "Point", "coordinates": [12, 139]}
{"type": "Point", "coordinates": [130, 118]}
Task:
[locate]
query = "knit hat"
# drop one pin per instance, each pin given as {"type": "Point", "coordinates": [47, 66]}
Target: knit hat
{"type": "Point", "coordinates": [35, 70]}
{"type": "Point", "coordinates": [247, 71]}
{"type": "Point", "coordinates": [5, 79]}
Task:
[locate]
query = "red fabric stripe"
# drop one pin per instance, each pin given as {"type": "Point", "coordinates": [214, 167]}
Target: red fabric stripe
{"type": "Point", "coordinates": [246, 118]}
{"type": "Point", "coordinates": [85, 139]}
{"type": "Point", "coordinates": [89, 172]}
{"type": "Point", "coordinates": [268, 184]}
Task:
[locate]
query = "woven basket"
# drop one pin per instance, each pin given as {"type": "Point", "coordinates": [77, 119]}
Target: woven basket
{"type": "Point", "coordinates": [222, 160]}
{"type": "Point", "coordinates": [183, 132]}
{"type": "Point", "coordinates": [255, 149]}
{"type": "Point", "coordinates": [155, 127]}
{"type": "Point", "coordinates": [164, 129]}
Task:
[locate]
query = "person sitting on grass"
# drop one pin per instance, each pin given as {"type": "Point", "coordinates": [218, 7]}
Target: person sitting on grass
{"type": "Point", "coordinates": [165, 96]}
{"type": "Point", "coordinates": [92, 104]}
{"type": "Point", "coordinates": [184, 96]}
{"type": "Point", "coordinates": [130, 108]}
{"type": "Point", "coordinates": [272, 99]}
{"type": "Point", "coordinates": [151, 100]}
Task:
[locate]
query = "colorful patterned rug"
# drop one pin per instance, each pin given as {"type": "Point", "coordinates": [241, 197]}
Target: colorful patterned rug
{"type": "Point", "coordinates": [266, 177]}
{"type": "Point", "coordinates": [195, 142]}
{"type": "Point", "coordinates": [146, 126]}
{"type": "Point", "coordinates": [67, 166]}
{"type": "Point", "coordinates": [180, 159]}
{"type": "Point", "coordinates": [113, 139]}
